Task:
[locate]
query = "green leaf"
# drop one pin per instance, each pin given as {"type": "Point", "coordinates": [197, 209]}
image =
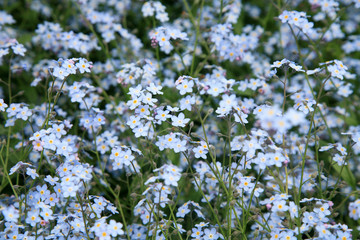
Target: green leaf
{"type": "Point", "coordinates": [346, 174]}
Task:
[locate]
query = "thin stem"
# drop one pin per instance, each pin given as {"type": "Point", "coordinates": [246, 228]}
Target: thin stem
{"type": "Point", "coordinates": [7, 174]}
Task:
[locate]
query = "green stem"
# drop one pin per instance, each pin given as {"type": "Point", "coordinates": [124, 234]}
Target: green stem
{"type": "Point", "coordinates": [7, 174]}
{"type": "Point", "coordinates": [83, 215]}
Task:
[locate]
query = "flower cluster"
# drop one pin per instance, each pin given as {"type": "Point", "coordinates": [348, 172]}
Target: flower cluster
{"type": "Point", "coordinates": [52, 37]}
{"type": "Point", "coordinates": [235, 47]}
{"type": "Point", "coordinates": [163, 36]}
{"type": "Point", "coordinates": [155, 7]}
{"type": "Point", "coordinates": [318, 219]}
{"type": "Point", "coordinates": [70, 66]}
{"type": "Point", "coordinates": [297, 19]}
{"type": "Point", "coordinates": [7, 41]}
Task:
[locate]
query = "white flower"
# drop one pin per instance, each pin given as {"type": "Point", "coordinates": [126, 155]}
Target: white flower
{"type": "Point", "coordinates": [179, 121]}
